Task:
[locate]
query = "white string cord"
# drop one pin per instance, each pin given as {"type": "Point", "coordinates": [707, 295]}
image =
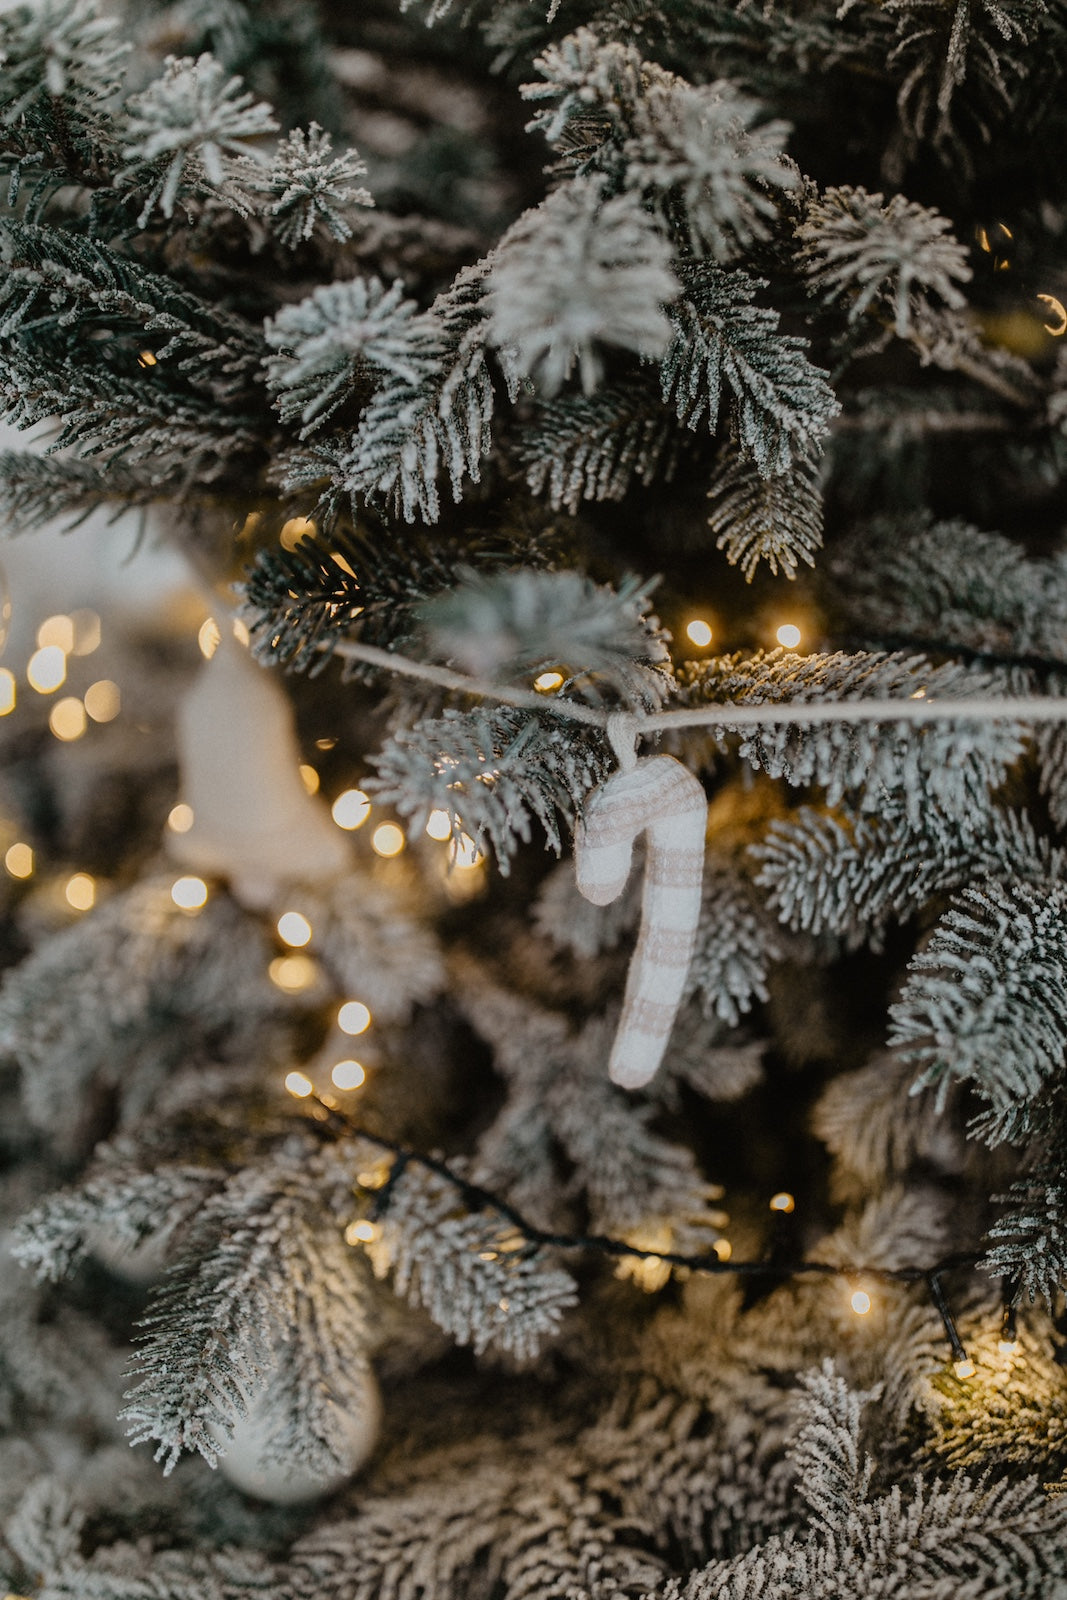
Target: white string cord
{"type": "Point", "coordinates": [985, 708]}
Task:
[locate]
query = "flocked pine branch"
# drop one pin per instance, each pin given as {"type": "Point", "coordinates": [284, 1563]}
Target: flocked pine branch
{"type": "Point", "coordinates": [736, 943]}
{"type": "Point", "coordinates": [1029, 1242]}
{"type": "Point", "coordinates": [510, 623]}
{"type": "Point", "coordinates": [436, 415]}
{"type": "Point", "coordinates": [186, 129]}
{"type": "Point", "coordinates": [876, 761]}
{"type": "Point", "coordinates": [706, 153]}
{"type": "Point", "coordinates": [985, 999]}
{"type": "Point", "coordinates": [325, 344]}
{"type": "Point", "coordinates": [594, 447]}
{"type": "Point", "coordinates": [579, 272]}
{"type": "Point", "coordinates": [757, 518]}
{"type": "Point", "coordinates": [475, 1276]}
{"type": "Point", "coordinates": [859, 250]}
{"type": "Point", "coordinates": [494, 772]}
{"type": "Point", "coordinates": [307, 192]}
{"type": "Point", "coordinates": [265, 1267]}
{"type": "Point", "coordinates": [848, 872]}
{"type": "Point", "coordinates": [726, 351]}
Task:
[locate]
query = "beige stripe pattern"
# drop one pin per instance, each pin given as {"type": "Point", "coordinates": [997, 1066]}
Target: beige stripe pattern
{"type": "Point", "coordinates": [660, 797]}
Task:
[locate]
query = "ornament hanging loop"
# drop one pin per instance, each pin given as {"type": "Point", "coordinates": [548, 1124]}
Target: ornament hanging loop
{"type": "Point", "coordinates": [623, 733]}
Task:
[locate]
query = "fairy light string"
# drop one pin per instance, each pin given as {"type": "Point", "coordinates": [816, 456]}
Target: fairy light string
{"type": "Point", "coordinates": [325, 1116]}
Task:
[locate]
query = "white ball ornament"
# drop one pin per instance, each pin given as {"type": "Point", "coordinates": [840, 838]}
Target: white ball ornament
{"type": "Point", "coordinates": [247, 1461]}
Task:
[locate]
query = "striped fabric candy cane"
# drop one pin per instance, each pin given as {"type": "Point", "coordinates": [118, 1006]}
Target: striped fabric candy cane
{"type": "Point", "coordinates": [660, 797]}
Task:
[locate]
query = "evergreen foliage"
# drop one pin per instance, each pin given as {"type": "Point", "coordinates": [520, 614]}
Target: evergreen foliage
{"type": "Point", "coordinates": [784, 297]}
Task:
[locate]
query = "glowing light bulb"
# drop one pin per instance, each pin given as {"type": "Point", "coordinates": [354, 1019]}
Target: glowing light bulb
{"type": "Point", "coordinates": [240, 632]}
{"type": "Point", "coordinates": [782, 1202]}
{"type": "Point", "coordinates": [387, 839]}
{"type": "Point", "coordinates": [18, 861]}
{"type": "Point", "coordinates": [723, 1249]}
{"type": "Point", "coordinates": [103, 700]}
{"type": "Point", "coordinates": [465, 853]}
{"type": "Point", "coordinates": [348, 1075]}
{"type": "Point", "coordinates": [294, 929]}
{"type": "Point", "coordinates": [548, 682]}
{"type": "Point", "coordinates": [80, 892]}
{"type": "Point", "coordinates": [439, 825]}
{"type": "Point", "coordinates": [351, 809]}
{"type": "Point", "coordinates": [181, 818]}
{"type": "Point", "coordinates": [86, 631]}
{"type": "Point", "coordinates": [67, 719]}
{"type": "Point", "coordinates": [1009, 1347]}
{"type": "Point", "coordinates": [353, 1017]}
{"type": "Point", "coordinates": [293, 973]}
{"type": "Point", "coordinates": [309, 778]}
{"type": "Point", "coordinates": [208, 638]}
{"type": "Point", "coordinates": [699, 633]}
{"type": "Point", "coordinates": [147, 359]}
{"type": "Point", "coordinates": [299, 1085]}
{"type": "Point", "coordinates": [360, 1233]}
{"type": "Point", "coordinates": [788, 635]}
{"type": "Point", "coordinates": [7, 691]}
{"type": "Point", "coordinates": [46, 669]}
{"type": "Point", "coordinates": [295, 529]}
{"type": "Point", "coordinates": [189, 894]}
{"type": "Point", "coordinates": [57, 631]}
{"type": "Point", "coordinates": [964, 1368]}
{"type": "Point", "coordinates": [1058, 326]}
{"type": "Point", "coordinates": [860, 1302]}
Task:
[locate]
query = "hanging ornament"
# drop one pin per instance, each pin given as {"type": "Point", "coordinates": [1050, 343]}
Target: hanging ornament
{"type": "Point", "coordinates": [660, 797]}
{"type": "Point", "coordinates": [253, 820]}
{"type": "Point", "coordinates": [247, 1461]}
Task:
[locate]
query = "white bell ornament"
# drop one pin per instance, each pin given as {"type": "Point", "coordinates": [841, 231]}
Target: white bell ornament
{"type": "Point", "coordinates": [253, 820]}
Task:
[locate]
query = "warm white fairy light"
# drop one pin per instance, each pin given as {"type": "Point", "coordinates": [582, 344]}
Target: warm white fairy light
{"type": "Point", "coordinates": [7, 691]}
{"type": "Point", "coordinates": [351, 809]}
{"type": "Point", "coordinates": [723, 1249]}
{"type": "Point", "coordinates": [299, 1085]}
{"type": "Point", "coordinates": [348, 1074]}
{"type": "Point", "coordinates": [240, 632]}
{"type": "Point", "coordinates": [548, 682]}
{"type": "Point", "coordinates": [309, 778]}
{"type": "Point", "coordinates": [103, 700]}
{"type": "Point", "coordinates": [292, 973]}
{"type": "Point", "coordinates": [80, 891]}
{"type": "Point", "coordinates": [387, 839]}
{"type": "Point", "coordinates": [208, 638]}
{"type": "Point", "coordinates": [1009, 1347]}
{"type": "Point", "coordinates": [58, 632]}
{"type": "Point", "coordinates": [67, 719]}
{"type": "Point", "coordinates": [180, 818]}
{"type": "Point", "coordinates": [362, 1232]}
{"type": "Point", "coordinates": [788, 635]}
{"type": "Point", "coordinates": [439, 825]}
{"type": "Point", "coordinates": [353, 1017]}
{"type": "Point", "coordinates": [294, 928]}
{"type": "Point", "coordinates": [18, 860]}
{"type": "Point", "coordinates": [46, 669]}
{"type": "Point", "coordinates": [295, 529]}
{"type": "Point", "coordinates": [964, 1367]}
{"type": "Point", "coordinates": [86, 631]}
{"type": "Point", "coordinates": [782, 1202]}
{"type": "Point", "coordinates": [465, 853]}
{"type": "Point", "coordinates": [699, 633]}
{"type": "Point", "coordinates": [860, 1302]}
{"type": "Point", "coordinates": [189, 894]}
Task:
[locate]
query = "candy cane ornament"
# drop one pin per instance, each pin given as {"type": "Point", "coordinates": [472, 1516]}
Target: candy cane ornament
{"type": "Point", "coordinates": [660, 797]}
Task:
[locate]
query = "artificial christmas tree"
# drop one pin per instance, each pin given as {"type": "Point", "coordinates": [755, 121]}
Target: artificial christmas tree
{"type": "Point", "coordinates": [484, 1244]}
